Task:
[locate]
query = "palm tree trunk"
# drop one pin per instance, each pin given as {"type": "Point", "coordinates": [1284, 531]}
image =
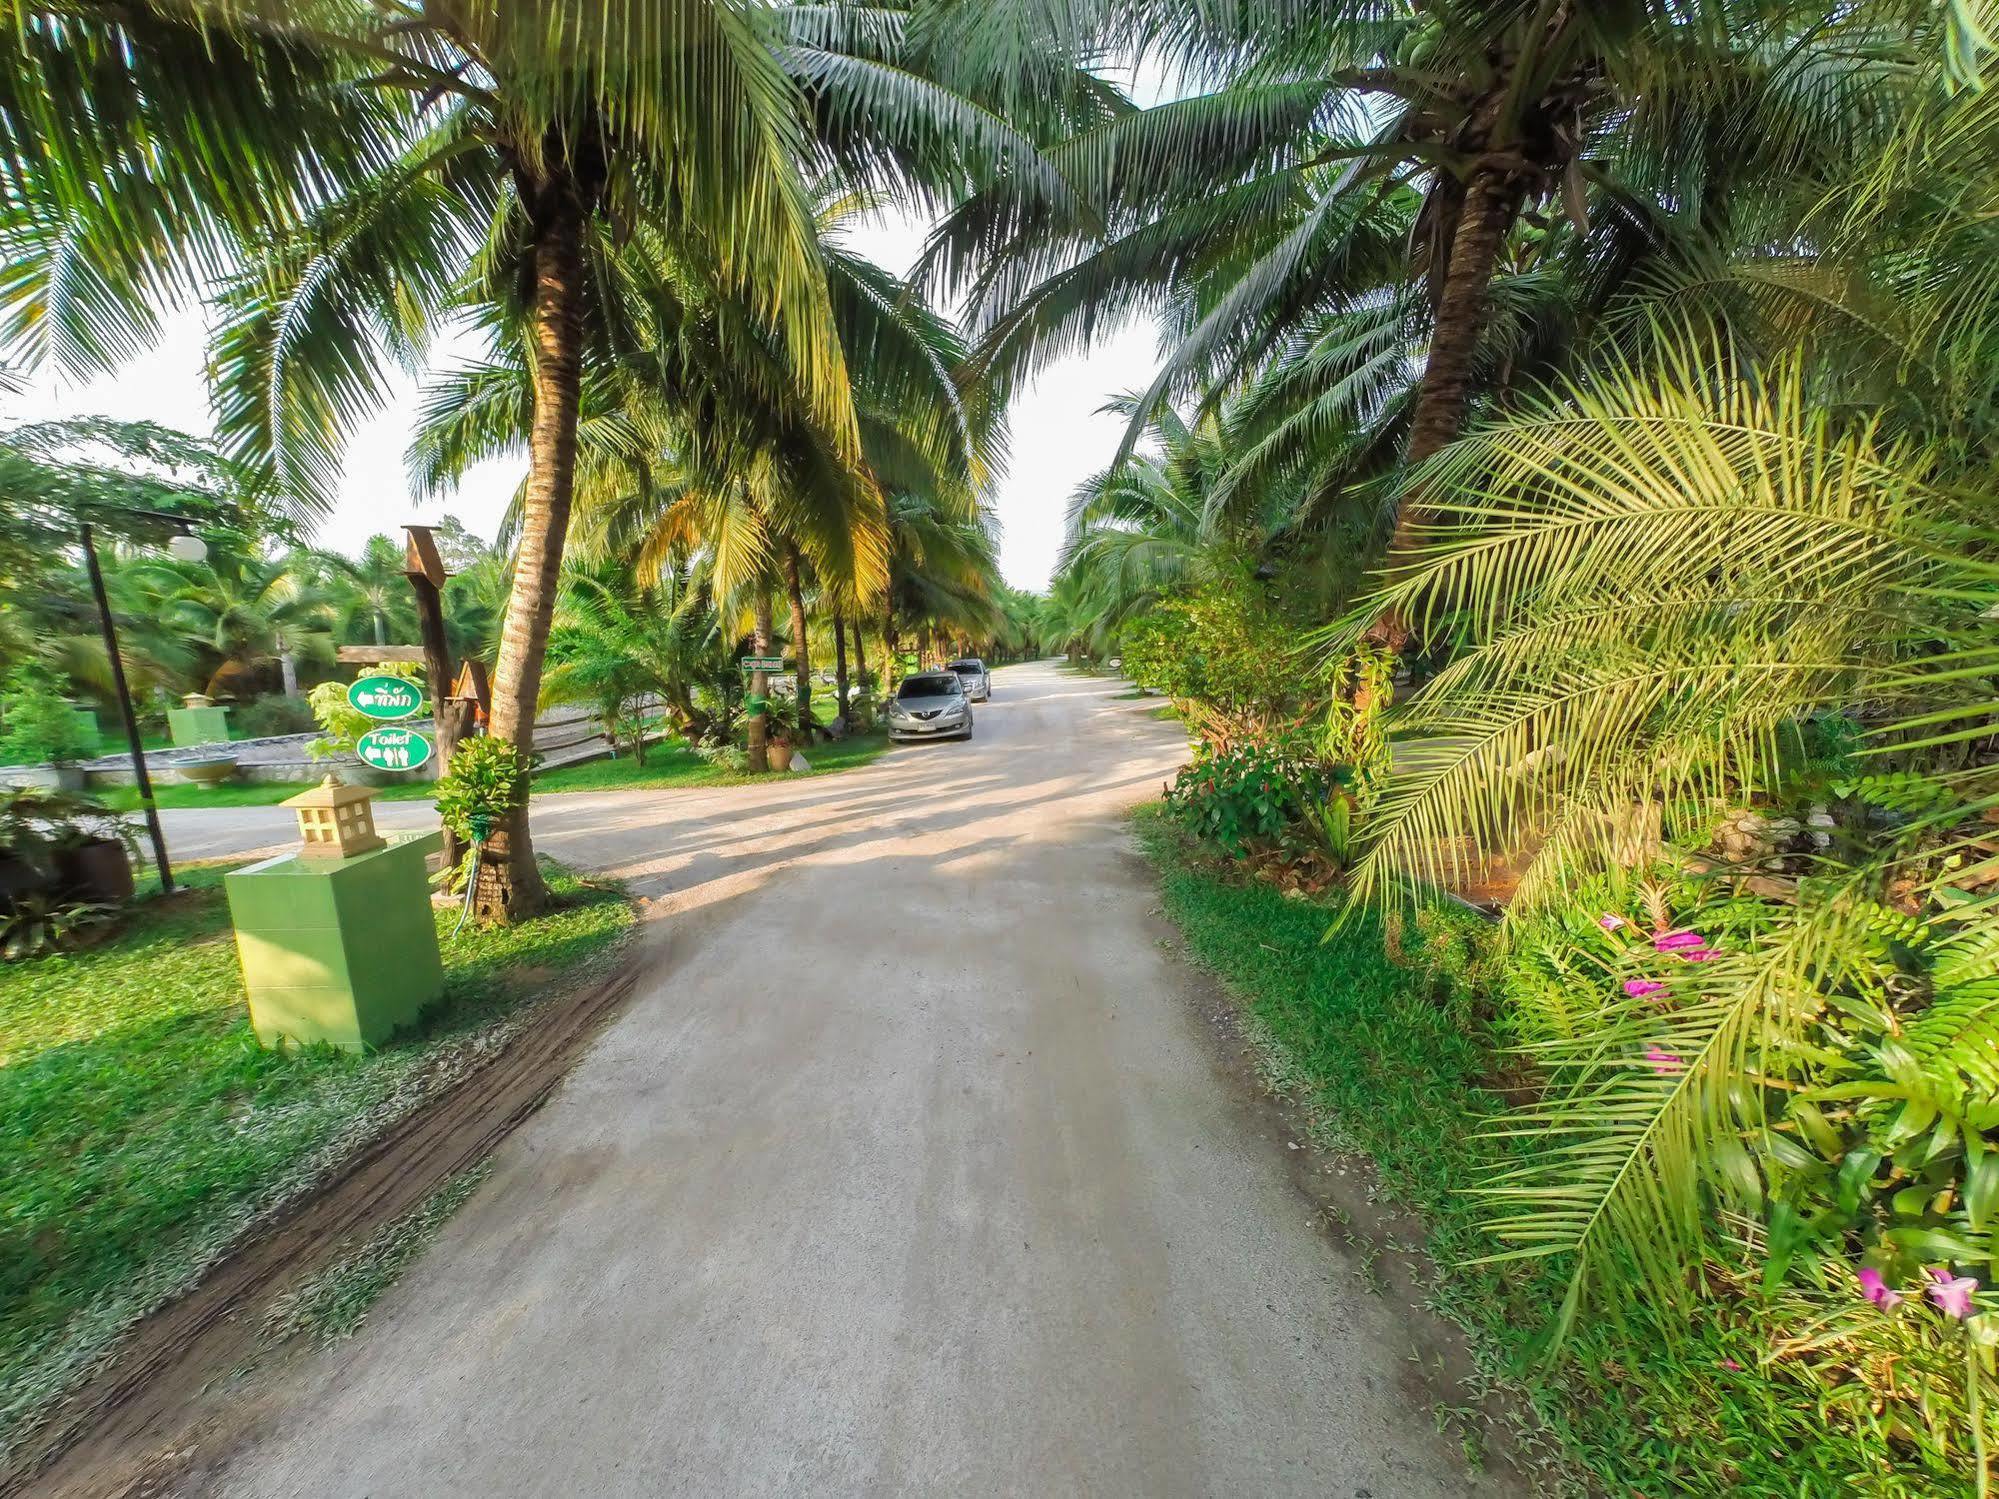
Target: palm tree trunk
{"type": "Point", "coordinates": [1492, 202]}
{"type": "Point", "coordinates": [759, 725]}
{"type": "Point", "coordinates": [797, 597]}
{"type": "Point", "coordinates": [860, 657]}
{"type": "Point", "coordinates": [889, 642]}
{"type": "Point", "coordinates": [510, 886]}
{"type": "Point", "coordinates": [839, 673]}
{"type": "Point", "coordinates": [288, 668]}
{"type": "Point", "coordinates": [381, 629]}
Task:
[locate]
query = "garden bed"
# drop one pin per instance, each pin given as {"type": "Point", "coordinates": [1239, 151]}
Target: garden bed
{"type": "Point", "coordinates": [143, 1131]}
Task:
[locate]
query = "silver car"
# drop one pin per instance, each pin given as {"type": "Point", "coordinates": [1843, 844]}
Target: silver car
{"type": "Point", "coordinates": [972, 672]}
{"type": "Point", "coordinates": [930, 705]}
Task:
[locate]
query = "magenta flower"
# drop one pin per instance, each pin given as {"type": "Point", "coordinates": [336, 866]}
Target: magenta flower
{"type": "Point", "coordinates": [1876, 1290]}
{"type": "Point", "coordinates": [1679, 941]}
{"type": "Point", "coordinates": [1665, 1063]}
{"type": "Point", "coordinates": [1694, 954]}
{"type": "Point", "coordinates": [1731, 1365]}
{"type": "Point", "coordinates": [1643, 988]}
{"type": "Point", "coordinates": [1611, 922]}
{"type": "Point", "coordinates": [1952, 1296]}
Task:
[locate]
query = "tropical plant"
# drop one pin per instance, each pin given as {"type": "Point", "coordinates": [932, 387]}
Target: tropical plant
{"type": "Point", "coordinates": [37, 724]}
{"type": "Point", "coordinates": [1415, 210]}
{"type": "Point", "coordinates": [238, 609]}
{"type": "Point", "coordinates": [378, 166]}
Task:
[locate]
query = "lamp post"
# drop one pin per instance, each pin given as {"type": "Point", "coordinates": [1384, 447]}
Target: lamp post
{"type": "Point", "coordinates": [188, 547]}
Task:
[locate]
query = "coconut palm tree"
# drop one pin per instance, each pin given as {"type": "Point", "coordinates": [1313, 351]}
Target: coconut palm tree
{"type": "Point", "coordinates": [1386, 165]}
{"type": "Point", "coordinates": [237, 607]}
{"type": "Point", "coordinates": [380, 165]}
{"type": "Point", "coordinates": [370, 593]}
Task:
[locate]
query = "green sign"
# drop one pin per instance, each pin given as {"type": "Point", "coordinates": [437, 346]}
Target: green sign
{"type": "Point", "coordinates": [387, 698]}
{"type": "Point", "coordinates": [393, 749]}
{"type": "Point", "coordinates": [763, 663]}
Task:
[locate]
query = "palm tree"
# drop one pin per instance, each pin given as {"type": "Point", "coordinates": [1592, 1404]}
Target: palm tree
{"type": "Point", "coordinates": [371, 592]}
{"type": "Point", "coordinates": [410, 159]}
{"type": "Point", "coordinates": [1386, 165]}
{"type": "Point", "coordinates": [237, 607]}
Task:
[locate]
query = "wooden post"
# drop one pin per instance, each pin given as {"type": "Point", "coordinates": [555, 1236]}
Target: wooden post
{"type": "Point", "coordinates": [425, 570]}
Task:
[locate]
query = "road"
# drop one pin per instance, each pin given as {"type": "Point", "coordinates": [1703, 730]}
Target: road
{"type": "Point", "coordinates": [913, 1168]}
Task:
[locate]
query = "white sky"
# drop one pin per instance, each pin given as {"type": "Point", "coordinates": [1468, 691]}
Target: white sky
{"type": "Point", "coordinates": [1058, 437]}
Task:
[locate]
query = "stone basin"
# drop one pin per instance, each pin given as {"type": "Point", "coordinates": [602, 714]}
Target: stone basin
{"type": "Point", "coordinates": [211, 770]}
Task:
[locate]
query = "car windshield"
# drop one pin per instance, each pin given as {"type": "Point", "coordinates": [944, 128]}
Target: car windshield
{"type": "Point", "coordinates": [967, 668]}
{"type": "Point", "coordinates": [926, 687]}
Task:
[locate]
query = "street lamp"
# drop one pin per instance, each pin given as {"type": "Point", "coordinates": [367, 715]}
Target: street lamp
{"type": "Point", "coordinates": [186, 547]}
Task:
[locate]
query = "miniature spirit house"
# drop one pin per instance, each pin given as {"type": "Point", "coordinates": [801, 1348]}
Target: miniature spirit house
{"type": "Point", "coordinates": [335, 821]}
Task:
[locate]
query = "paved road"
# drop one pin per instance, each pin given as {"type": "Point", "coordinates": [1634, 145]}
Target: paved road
{"type": "Point", "coordinates": [911, 1170]}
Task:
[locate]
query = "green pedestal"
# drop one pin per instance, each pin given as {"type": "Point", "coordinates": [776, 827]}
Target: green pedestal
{"type": "Point", "coordinates": [197, 725]}
{"type": "Point", "coordinates": [337, 950]}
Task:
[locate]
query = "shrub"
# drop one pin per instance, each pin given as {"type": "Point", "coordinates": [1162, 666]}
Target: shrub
{"type": "Point", "coordinates": [37, 724]}
{"type": "Point", "coordinates": [1251, 794]}
{"type": "Point", "coordinates": [269, 717]}
{"type": "Point", "coordinates": [1229, 661]}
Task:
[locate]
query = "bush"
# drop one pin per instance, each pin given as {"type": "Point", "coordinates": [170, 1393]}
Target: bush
{"type": "Point", "coordinates": [1229, 661]}
{"type": "Point", "coordinates": [269, 717]}
{"type": "Point", "coordinates": [37, 725]}
{"type": "Point", "coordinates": [1252, 794]}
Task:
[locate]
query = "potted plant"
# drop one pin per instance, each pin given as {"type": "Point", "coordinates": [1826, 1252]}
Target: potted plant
{"type": "Point", "coordinates": [59, 841]}
{"type": "Point", "coordinates": [93, 854]}
{"type": "Point", "coordinates": [781, 731]}
{"type": "Point", "coordinates": [40, 732]}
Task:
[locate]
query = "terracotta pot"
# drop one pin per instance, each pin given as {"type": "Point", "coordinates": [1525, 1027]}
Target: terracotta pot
{"type": "Point", "coordinates": [777, 754]}
{"type": "Point", "coordinates": [19, 877]}
{"type": "Point", "coordinates": [99, 871]}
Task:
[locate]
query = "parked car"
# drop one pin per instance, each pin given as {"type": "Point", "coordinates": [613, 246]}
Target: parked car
{"type": "Point", "coordinates": [972, 672]}
{"type": "Point", "coordinates": [930, 705]}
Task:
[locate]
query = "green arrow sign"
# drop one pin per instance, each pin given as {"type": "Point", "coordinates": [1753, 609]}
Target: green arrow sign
{"type": "Point", "coordinates": [377, 696]}
{"type": "Point", "coordinates": [393, 749]}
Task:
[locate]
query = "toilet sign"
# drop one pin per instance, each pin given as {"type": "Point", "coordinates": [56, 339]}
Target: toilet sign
{"type": "Point", "coordinates": [393, 749]}
{"type": "Point", "coordinates": [384, 697]}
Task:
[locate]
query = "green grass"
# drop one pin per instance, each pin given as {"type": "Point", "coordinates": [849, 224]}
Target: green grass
{"type": "Point", "coordinates": [1393, 1062]}
{"type": "Point", "coordinates": [667, 765]}
{"type": "Point", "coordinates": [141, 1126]}
{"type": "Point", "coordinates": [333, 1302]}
{"type": "Point", "coordinates": [180, 794]}
{"type": "Point", "coordinates": [674, 764]}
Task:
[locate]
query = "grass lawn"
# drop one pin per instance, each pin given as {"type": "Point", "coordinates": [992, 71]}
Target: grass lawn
{"type": "Point", "coordinates": [1392, 1061]}
{"type": "Point", "coordinates": [668, 764]}
{"type": "Point", "coordinates": [141, 1126]}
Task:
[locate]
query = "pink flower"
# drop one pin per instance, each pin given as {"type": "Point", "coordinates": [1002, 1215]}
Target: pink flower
{"type": "Point", "coordinates": [1952, 1296]}
{"type": "Point", "coordinates": [1875, 1289]}
{"type": "Point", "coordinates": [1665, 1063]}
{"type": "Point", "coordinates": [1731, 1365]}
{"type": "Point", "coordinates": [1694, 954]}
{"type": "Point", "coordinates": [1679, 941]}
{"type": "Point", "coordinates": [1611, 922]}
{"type": "Point", "coordinates": [1643, 988]}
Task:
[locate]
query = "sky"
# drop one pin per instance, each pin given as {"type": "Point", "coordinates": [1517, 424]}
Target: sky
{"type": "Point", "coordinates": [1058, 436]}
